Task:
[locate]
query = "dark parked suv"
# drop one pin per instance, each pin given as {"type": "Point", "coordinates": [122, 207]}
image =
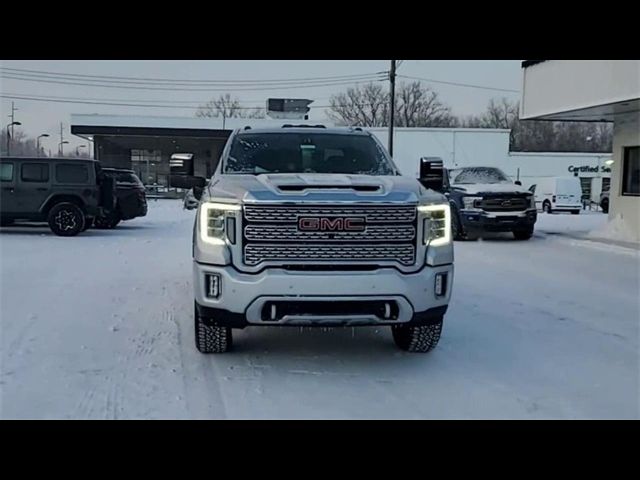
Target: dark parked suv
{"type": "Point", "coordinates": [67, 193]}
{"type": "Point", "coordinates": [131, 200]}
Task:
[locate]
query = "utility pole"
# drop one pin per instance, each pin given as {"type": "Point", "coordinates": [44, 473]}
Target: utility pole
{"type": "Point", "coordinates": [61, 140]}
{"type": "Point", "coordinates": [13, 119]}
{"type": "Point", "coordinates": [392, 107]}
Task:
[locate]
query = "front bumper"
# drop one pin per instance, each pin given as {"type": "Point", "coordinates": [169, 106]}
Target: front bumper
{"type": "Point", "coordinates": [474, 220]}
{"type": "Point", "coordinates": [244, 297]}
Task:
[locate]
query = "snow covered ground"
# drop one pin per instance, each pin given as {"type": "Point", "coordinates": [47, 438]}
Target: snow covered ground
{"type": "Point", "coordinates": [100, 326]}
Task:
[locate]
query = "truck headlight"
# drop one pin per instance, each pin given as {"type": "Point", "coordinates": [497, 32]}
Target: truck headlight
{"type": "Point", "coordinates": [471, 203]}
{"type": "Point", "coordinates": [437, 224]}
{"type": "Point", "coordinates": [212, 221]}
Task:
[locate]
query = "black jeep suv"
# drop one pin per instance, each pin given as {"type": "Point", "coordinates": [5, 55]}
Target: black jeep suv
{"type": "Point", "coordinates": [67, 193]}
{"type": "Point", "coordinates": [131, 200]}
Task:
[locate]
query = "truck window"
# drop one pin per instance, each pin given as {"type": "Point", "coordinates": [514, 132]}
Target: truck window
{"type": "Point", "coordinates": [68, 173]}
{"type": "Point", "coordinates": [475, 175]}
{"type": "Point", "coordinates": [255, 153]}
{"type": "Point", "coordinates": [35, 172]}
{"type": "Point", "coordinates": [6, 172]}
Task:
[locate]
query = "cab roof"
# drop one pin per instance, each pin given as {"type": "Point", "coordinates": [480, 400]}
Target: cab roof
{"type": "Point", "coordinates": [315, 129]}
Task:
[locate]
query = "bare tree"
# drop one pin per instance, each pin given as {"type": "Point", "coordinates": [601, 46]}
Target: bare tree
{"type": "Point", "coordinates": [21, 144]}
{"type": "Point", "coordinates": [227, 107]}
{"type": "Point", "coordinates": [538, 136]}
{"type": "Point", "coordinates": [368, 106]}
{"type": "Point", "coordinates": [419, 106]}
{"type": "Point", "coordinates": [365, 106]}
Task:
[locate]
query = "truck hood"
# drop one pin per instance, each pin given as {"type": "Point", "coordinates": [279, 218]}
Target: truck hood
{"type": "Point", "coordinates": [477, 188]}
{"type": "Point", "coordinates": [318, 188]}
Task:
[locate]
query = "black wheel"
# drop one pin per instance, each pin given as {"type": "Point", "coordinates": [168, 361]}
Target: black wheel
{"type": "Point", "coordinates": [605, 205]}
{"type": "Point", "coordinates": [523, 234]}
{"type": "Point", "coordinates": [546, 207]}
{"type": "Point", "coordinates": [417, 338]}
{"type": "Point", "coordinates": [211, 339]}
{"type": "Point", "coordinates": [456, 229]}
{"type": "Point", "coordinates": [66, 219]}
{"type": "Point", "coordinates": [88, 222]}
{"type": "Point", "coordinates": [575, 212]}
{"type": "Point", "coordinates": [109, 221]}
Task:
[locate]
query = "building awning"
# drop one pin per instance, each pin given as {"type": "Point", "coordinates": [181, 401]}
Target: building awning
{"type": "Point", "coordinates": [580, 90]}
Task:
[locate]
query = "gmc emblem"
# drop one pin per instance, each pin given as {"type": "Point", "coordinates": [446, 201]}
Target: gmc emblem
{"type": "Point", "coordinates": [331, 224]}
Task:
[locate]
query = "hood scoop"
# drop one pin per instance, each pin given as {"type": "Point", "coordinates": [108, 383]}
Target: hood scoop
{"type": "Point", "coordinates": [302, 188]}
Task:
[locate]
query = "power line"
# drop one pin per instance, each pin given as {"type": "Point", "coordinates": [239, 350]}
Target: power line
{"type": "Point", "coordinates": [226, 89]}
{"type": "Point", "coordinates": [109, 78]}
{"type": "Point", "coordinates": [147, 79]}
{"type": "Point", "coordinates": [468, 85]}
{"type": "Point", "coordinates": [125, 104]}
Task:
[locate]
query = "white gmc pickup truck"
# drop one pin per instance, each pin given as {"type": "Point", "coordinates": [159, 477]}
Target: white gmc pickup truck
{"type": "Point", "coordinates": [311, 226]}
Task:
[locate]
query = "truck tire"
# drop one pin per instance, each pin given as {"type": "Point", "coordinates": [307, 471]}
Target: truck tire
{"type": "Point", "coordinates": [211, 339]}
{"type": "Point", "coordinates": [108, 222]}
{"type": "Point", "coordinates": [523, 234]}
{"type": "Point", "coordinates": [546, 207]}
{"type": "Point", "coordinates": [421, 338]}
{"type": "Point", "coordinates": [575, 212]}
{"type": "Point", "coordinates": [605, 206]}
{"type": "Point", "coordinates": [66, 219]}
{"type": "Point", "coordinates": [456, 228]}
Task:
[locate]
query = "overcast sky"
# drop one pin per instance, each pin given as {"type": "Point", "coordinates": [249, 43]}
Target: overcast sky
{"type": "Point", "coordinates": [43, 117]}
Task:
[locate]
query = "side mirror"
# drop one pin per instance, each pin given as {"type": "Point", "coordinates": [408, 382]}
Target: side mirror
{"type": "Point", "coordinates": [181, 164]}
{"type": "Point", "coordinates": [518, 182]}
{"type": "Point", "coordinates": [432, 173]}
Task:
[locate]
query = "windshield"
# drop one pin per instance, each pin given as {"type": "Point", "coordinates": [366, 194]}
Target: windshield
{"type": "Point", "coordinates": [306, 153]}
{"type": "Point", "coordinates": [473, 175]}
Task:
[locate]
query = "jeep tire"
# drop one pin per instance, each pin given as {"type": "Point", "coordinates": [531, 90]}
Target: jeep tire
{"type": "Point", "coordinates": [66, 219]}
{"type": "Point", "coordinates": [109, 221]}
{"type": "Point", "coordinates": [420, 338]}
{"type": "Point", "coordinates": [211, 339]}
{"type": "Point", "coordinates": [523, 234]}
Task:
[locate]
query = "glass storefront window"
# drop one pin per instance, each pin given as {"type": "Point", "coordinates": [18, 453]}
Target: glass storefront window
{"type": "Point", "coordinates": [146, 164]}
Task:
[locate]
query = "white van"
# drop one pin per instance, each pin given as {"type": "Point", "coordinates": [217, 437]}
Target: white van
{"type": "Point", "coordinates": [555, 194]}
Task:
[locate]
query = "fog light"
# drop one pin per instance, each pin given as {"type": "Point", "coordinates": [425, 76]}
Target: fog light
{"type": "Point", "coordinates": [212, 285]}
{"type": "Point", "coordinates": [441, 284]}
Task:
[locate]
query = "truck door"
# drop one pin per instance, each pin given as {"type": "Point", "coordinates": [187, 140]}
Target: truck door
{"type": "Point", "coordinates": [7, 192]}
{"type": "Point", "coordinates": [33, 187]}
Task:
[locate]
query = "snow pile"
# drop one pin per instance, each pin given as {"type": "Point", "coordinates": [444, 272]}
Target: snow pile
{"type": "Point", "coordinates": [581, 224]}
{"type": "Point", "coordinates": [615, 229]}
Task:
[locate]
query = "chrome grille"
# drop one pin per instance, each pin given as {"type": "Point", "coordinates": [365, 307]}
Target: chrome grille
{"type": "Point", "coordinates": [255, 254]}
{"type": "Point", "coordinates": [290, 233]}
{"type": "Point", "coordinates": [285, 213]}
{"type": "Point", "coordinates": [271, 234]}
{"type": "Point", "coordinates": [505, 204]}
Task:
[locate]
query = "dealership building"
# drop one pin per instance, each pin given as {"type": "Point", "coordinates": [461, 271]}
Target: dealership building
{"type": "Point", "coordinates": [595, 90]}
{"type": "Point", "coordinates": [145, 144]}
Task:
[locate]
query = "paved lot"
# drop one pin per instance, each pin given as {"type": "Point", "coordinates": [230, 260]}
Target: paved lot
{"type": "Point", "coordinates": [100, 326]}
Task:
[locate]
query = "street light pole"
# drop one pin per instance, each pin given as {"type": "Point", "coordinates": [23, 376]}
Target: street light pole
{"type": "Point", "coordinates": [9, 136]}
{"type": "Point", "coordinates": [38, 143]}
{"type": "Point", "coordinates": [61, 148]}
